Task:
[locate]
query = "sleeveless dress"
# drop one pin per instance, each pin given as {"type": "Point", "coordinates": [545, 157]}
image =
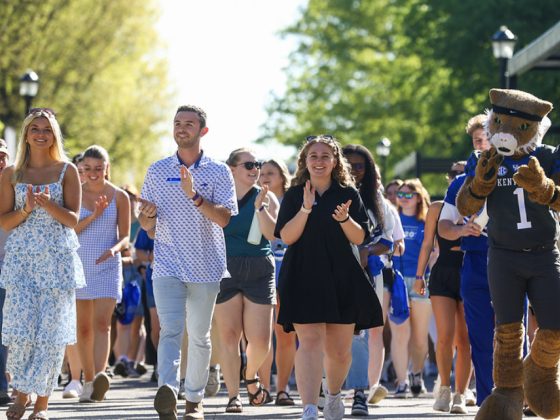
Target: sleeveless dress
{"type": "Point", "coordinates": [40, 273]}
{"type": "Point", "coordinates": [103, 280]}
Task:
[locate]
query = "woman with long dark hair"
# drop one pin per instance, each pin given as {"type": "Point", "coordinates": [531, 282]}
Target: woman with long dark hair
{"type": "Point", "coordinates": [367, 348]}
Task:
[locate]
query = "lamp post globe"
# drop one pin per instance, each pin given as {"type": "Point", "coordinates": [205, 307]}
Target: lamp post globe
{"type": "Point", "coordinates": [382, 149]}
{"type": "Point", "coordinates": [28, 88]}
{"type": "Point", "coordinates": [503, 45]}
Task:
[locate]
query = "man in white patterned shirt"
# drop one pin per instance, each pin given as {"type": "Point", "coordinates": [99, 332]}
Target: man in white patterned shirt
{"type": "Point", "coordinates": [191, 197]}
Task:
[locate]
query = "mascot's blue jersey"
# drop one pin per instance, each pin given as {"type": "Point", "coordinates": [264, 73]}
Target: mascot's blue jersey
{"type": "Point", "coordinates": [468, 243]}
{"type": "Point", "coordinates": [516, 222]}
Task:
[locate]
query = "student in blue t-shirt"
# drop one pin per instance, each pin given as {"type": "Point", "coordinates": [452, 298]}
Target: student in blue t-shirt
{"type": "Point", "coordinates": [413, 203]}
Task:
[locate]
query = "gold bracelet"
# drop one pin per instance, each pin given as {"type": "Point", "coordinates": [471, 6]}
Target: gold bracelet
{"type": "Point", "coordinates": [24, 213]}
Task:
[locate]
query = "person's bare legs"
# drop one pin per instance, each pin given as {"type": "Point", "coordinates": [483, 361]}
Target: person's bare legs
{"type": "Point", "coordinates": [376, 347]}
{"type": "Point", "coordinates": [257, 326]}
{"type": "Point", "coordinates": [338, 355]}
{"type": "Point", "coordinates": [215, 339]}
{"type": "Point", "coordinates": [74, 361]}
{"type": "Point", "coordinates": [84, 312]}
{"type": "Point", "coordinates": [102, 311]}
{"type": "Point", "coordinates": [155, 327]}
{"type": "Point", "coordinates": [184, 354]}
{"type": "Point", "coordinates": [420, 315]}
{"type": "Point", "coordinates": [122, 343]}
{"type": "Point", "coordinates": [229, 320]}
{"type": "Point", "coordinates": [463, 366]}
{"type": "Point", "coordinates": [23, 399]}
{"type": "Point", "coordinates": [266, 367]}
{"type": "Point", "coordinates": [400, 336]}
{"type": "Point", "coordinates": [285, 354]}
{"type": "Point", "coordinates": [135, 337]}
{"type": "Point", "coordinates": [309, 361]}
{"type": "Point", "coordinates": [445, 310]}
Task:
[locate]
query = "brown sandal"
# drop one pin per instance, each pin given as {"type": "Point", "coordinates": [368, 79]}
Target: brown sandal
{"type": "Point", "coordinates": [39, 415]}
{"type": "Point", "coordinates": [19, 409]}
{"type": "Point", "coordinates": [260, 390]}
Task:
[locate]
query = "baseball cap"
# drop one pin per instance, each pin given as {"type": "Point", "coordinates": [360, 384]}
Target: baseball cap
{"type": "Point", "coordinates": [4, 147]}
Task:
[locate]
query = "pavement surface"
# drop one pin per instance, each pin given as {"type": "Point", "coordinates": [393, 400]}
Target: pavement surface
{"type": "Point", "coordinates": [133, 399]}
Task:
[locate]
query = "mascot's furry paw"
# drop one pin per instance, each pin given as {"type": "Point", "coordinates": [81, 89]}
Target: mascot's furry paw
{"type": "Point", "coordinates": [542, 390]}
{"type": "Point", "coordinates": [532, 179]}
{"type": "Point", "coordinates": [503, 404]}
{"type": "Point", "coordinates": [486, 172]}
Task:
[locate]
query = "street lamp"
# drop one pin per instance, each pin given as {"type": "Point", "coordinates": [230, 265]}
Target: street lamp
{"type": "Point", "coordinates": [28, 88]}
{"type": "Point", "coordinates": [383, 148]}
{"type": "Point", "coordinates": [503, 44]}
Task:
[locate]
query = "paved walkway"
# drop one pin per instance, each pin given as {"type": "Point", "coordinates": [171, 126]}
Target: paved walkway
{"type": "Point", "coordinates": [133, 399]}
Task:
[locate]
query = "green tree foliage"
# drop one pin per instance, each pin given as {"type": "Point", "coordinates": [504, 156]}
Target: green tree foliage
{"type": "Point", "coordinates": [410, 70]}
{"type": "Point", "coordinates": [102, 68]}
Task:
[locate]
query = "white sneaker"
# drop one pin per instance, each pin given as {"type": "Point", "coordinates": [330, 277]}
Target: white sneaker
{"type": "Point", "coordinates": [470, 399]}
{"type": "Point", "coordinates": [437, 386]}
{"type": "Point", "coordinates": [377, 393]}
{"type": "Point", "coordinates": [334, 407]}
{"type": "Point", "coordinates": [310, 414]}
{"type": "Point", "coordinates": [87, 389]}
{"type": "Point", "coordinates": [459, 406]}
{"type": "Point", "coordinates": [101, 385]}
{"type": "Point", "coordinates": [443, 399]}
{"type": "Point", "coordinates": [73, 389]}
{"type": "Point", "coordinates": [213, 384]}
{"type": "Point", "coordinates": [322, 393]}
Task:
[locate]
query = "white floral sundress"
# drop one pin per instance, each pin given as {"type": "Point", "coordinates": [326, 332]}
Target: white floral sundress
{"type": "Point", "coordinates": [40, 273]}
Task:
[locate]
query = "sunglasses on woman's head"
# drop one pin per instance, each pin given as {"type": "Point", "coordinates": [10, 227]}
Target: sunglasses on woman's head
{"type": "Point", "coordinates": [46, 110]}
{"type": "Point", "coordinates": [358, 167]}
{"type": "Point", "coordinates": [319, 137]}
{"type": "Point", "coordinates": [251, 165]}
{"type": "Point", "coordinates": [402, 194]}
{"type": "Point", "coordinates": [453, 174]}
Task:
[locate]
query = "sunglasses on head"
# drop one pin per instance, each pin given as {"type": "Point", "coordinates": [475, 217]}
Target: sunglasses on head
{"type": "Point", "coordinates": [402, 194]}
{"type": "Point", "coordinates": [319, 137]}
{"type": "Point", "coordinates": [46, 110]}
{"type": "Point", "coordinates": [358, 167]}
{"type": "Point", "coordinates": [453, 174]}
{"type": "Point", "coordinates": [251, 165]}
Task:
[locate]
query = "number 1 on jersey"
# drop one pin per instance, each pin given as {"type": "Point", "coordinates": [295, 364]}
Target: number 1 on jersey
{"type": "Point", "coordinates": [525, 224]}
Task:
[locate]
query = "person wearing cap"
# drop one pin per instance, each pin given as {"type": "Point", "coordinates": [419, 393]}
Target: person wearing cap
{"type": "Point", "coordinates": [4, 397]}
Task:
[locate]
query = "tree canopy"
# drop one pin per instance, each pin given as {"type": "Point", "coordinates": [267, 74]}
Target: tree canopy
{"type": "Point", "coordinates": [102, 67]}
{"type": "Point", "coordinates": [410, 70]}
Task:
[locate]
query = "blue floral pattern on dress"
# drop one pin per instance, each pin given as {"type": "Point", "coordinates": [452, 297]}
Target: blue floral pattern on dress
{"type": "Point", "coordinates": [40, 273]}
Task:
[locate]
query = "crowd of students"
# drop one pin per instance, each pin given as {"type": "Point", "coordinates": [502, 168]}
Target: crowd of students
{"type": "Point", "coordinates": [220, 244]}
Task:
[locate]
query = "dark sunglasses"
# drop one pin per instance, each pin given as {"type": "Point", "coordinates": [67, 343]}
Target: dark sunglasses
{"type": "Point", "coordinates": [453, 174]}
{"type": "Point", "coordinates": [358, 167]}
{"type": "Point", "coordinates": [37, 110]}
{"type": "Point", "coordinates": [402, 194]}
{"type": "Point", "coordinates": [319, 137]}
{"type": "Point", "coordinates": [251, 165]}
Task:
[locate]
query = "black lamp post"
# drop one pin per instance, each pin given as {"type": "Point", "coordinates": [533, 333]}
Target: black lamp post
{"type": "Point", "coordinates": [28, 88]}
{"type": "Point", "coordinates": [383, 148]}
{"type": "Point", "coordinates": [503, 44]}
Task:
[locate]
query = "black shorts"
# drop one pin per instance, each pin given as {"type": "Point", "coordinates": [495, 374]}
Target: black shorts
{"type": "Point", "coordinates": [253, 277]}
{"type": "Point", "coordinates": [445, 281]}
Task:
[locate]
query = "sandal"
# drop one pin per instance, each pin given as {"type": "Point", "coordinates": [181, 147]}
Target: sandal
{"type": "Point", "coordinates": [18, 409]}
{"type": "Point", "coordinates": [287, 400]}
{"type": "Point", "coordinates": [39, 415]}
{"type": "Point", "coordinates": [260, 390]}
{"type": "Point", "coordinates": [268, 398]}
{"type": "Point", "coordinates": [234, 406]}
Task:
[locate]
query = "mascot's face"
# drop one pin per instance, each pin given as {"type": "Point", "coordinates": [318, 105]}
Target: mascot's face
{"type": "Point", "coordinates": [517, 122]}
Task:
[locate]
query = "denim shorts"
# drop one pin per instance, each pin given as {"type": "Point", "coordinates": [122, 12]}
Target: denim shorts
{"type": "Point", "coordinates": [253, 277]}
{"type": "Point", "coordinates": [412, 295]}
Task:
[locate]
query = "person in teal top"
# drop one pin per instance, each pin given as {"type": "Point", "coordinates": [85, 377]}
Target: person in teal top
{"type": "Point", "coordinates": [246, 299]}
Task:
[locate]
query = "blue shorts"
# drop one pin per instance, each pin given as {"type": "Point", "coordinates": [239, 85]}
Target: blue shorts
{"type": "Point", "coordinates": [412, 295]}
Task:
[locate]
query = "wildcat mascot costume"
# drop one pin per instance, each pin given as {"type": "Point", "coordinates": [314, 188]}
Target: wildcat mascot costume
{"type": "Point", "coordinates": [519, 180]}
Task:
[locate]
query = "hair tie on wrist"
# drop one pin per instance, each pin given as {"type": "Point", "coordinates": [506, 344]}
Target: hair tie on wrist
{"type": "Point", "coordinates": [152, 217]}
{"type": "Point", "coordinates": [261, 209]}
{"type": "Point", "coordinates": [201, 201]}
{"type": "Point", "coordinates": [419, 277]}
{"type": "Point", "coordinates": [345, 220]}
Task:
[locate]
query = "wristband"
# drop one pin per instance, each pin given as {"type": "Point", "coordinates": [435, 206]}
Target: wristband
{"type": "Point", "coordinates": [24, 213]}
{"type": "Point", "coordinates": [419, 277]}
{"type": "Point", "coordinates": [152, 217]}
{"type": "Point", "coordinates": [195, 197]}
{"type": "Point", "coordinates": [345, 220]}
{"type": "Point", "coordinates": [303, 209]}
{"type": "Point", "coordinates": [261, 209]}
{"type": "Point", "coordinates": [478, 197]}
{"type": "Point", "coordinates": [201, 201]}
{"type": "Point", "coordinates": [370, 251]}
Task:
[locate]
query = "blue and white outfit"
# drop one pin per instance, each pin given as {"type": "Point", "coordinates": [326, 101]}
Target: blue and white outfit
{"type": "Point", "coordinates": [40, 273]}
{"type": "Point", "coordinates": [189, 262]}
{"type": "Point", "coordinates": [104, 280]}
